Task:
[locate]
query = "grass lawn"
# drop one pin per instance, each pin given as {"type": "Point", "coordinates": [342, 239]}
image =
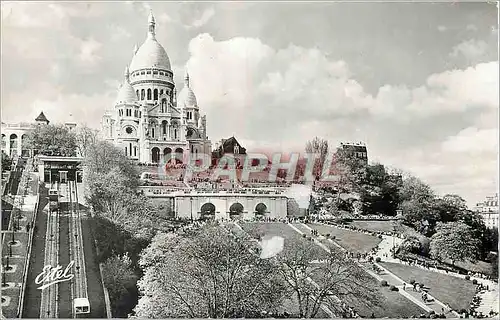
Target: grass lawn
{"type": "Point", "coordinates": [455, 292]}
{"type": "Point", "coordinates": [383, 226]}
{"type": "Point", "coordinates": [392, 305]}
{"type": "Point", "coordinates": [350, 240]}
{"type": "Point", "coordinates": [271, 229]}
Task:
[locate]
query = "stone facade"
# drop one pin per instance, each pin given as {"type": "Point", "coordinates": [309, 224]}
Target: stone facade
{"type": "Point", "coordinates": [149, 121]}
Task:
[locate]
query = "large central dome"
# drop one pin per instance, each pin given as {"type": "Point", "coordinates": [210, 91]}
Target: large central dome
{"type": "Point", "coordinates": [151, 54]}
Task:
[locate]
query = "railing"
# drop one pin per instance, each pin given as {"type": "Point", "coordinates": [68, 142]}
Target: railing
{"type": "Point", "coordinates": [30, 245]}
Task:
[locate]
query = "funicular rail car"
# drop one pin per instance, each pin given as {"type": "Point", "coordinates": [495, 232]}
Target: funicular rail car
{"type": "Point", "coordinates": [54, 197]}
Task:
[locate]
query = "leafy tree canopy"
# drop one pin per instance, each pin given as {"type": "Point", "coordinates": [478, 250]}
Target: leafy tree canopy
{"type": "Point", "coordinates": [454, 241]}
{"type": "Point", "coordinates": [50, 139]}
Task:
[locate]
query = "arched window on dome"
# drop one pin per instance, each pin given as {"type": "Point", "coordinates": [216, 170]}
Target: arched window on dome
{"type": "Point", "coordinates": [163, 105]}
{"type": "Point", "coordinates": [155, 94]}
{"type": "Point", "coordinates": [142, 94]}
{"type": "Point", "coordinates": [138, 96]}
{"type": "Point", "coordinates": [149, 94]}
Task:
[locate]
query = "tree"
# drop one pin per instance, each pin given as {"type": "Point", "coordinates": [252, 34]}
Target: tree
{"type": "Point", "coordinates": [57, 140]}
{"type": "Point", "coordinates": [350, 170]}
{"type": "Point", "coordinates": [6, 162]}
{"type": "Point", "coordinates": [417, 200]}
{"type": "Point", "coordinates": [410, 245]}
{"type": "Point", "coordinates": [318, 146]}
{"type": "Point", "coordinates": [379, 192]}
{"type": "Point", "coordinates": [454, 241]}
{"type": "Point", "coordinates": [334, 279]}
{"type": "Point", "coordinates": [86, 138]}
{"type": "Point", "coordinates": [206, 273]}
{"type": "Point", "coordinates": [450, 207]}
{"type": "Point", "coordinates": [120, 280]}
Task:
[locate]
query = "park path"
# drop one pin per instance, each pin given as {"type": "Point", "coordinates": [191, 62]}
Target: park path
{"type": "Point", "coordinates": [489, 298]}
{"type": "Point", "coordinates": [384, 249]}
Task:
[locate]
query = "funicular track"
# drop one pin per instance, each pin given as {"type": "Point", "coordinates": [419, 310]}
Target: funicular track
{"type": "Point", "coordinates": [79, 283]}
{"type": "Point", "coordinates": [49, 295]}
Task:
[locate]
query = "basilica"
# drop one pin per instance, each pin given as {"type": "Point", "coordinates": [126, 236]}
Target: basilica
{"type": "Point", "coordinates": [150, 122]}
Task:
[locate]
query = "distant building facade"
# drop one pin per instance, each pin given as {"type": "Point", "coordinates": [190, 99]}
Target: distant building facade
{"type": "Point", "coordinates": [358, 150]}
{"type": "Point", "coordinates": [14, 135]}
{"type": "Point", "coordinates": [229, 146]}
{"type": "Point", "coordinates": [488, 210]}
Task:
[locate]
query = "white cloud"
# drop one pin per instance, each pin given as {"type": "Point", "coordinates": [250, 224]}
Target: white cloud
{"type": "Point", "coordinates": [88, 51]}
{"type": "Point", "coordinates": [470, 49]}
{"type": "Point", "coordinates": [473, 140]}
{"type": "Point", "coordinates": [205, 17]}
{"type": "Point", "coordinates": [442, 28]}
{"type": "Point", "coordinates": [118, 33]}
{"type": "Point", "coordinates": [280, 98]}
{"type": "Point", "coordinates": [471, 27]}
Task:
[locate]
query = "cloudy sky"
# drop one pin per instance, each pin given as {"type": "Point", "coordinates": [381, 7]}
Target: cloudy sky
{"type": "Point", "coordinates": [417, 82]}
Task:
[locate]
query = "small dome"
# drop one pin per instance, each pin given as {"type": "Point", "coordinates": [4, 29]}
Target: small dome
{"type": "Point", "coordinates": [186, 97]}
{"type": "Point", "coordinates": [126, 93]}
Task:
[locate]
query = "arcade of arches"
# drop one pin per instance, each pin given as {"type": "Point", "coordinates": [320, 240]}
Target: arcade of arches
{"type": "Point", "coordinates": [168, 155]}
{"type": "Point", "coordinates": [15, 144]}
{"type": "Point", "coordinates": [230, 207]}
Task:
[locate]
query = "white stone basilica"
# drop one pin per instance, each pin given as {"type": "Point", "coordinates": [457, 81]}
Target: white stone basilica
{"type": "Point", "coordinates": [150, 122]}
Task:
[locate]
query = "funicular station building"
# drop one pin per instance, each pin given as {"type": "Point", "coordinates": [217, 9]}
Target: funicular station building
{"type": "Point", "coordinates": [59, 169]}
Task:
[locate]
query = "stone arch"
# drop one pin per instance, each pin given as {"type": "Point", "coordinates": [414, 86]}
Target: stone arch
{"type": "Point", "coordinates": [261, 209]}
{"type": "Point", "coordinates": [207, 211]}
{"type": "Point", "coordinates": [13, 141]}
{"type": "Point", "coordinates": [155, 155]}
{"type": "Point", "coordinates": [143, 93]}
{"type": "Point", "coordinates": [167, 154]}
{"type": "Point", "coordinates": [179, 155]}
{"type": "Point", "coordinates": [236, 210]}
{"type": "Point", "coordinates": [155, 94]}
{"type": "Point", "coordinates": [138, 95]}
{"type": "Point", "coordinates": [4, 141]}
{"type": "Point", "coordinates": [149, 94]}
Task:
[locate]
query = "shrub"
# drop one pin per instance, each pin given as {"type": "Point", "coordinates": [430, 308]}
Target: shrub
{"type": "Point", "coordinates": [412, 281]}
{"type": "Point", "coordinates": [333, 237]}
{"type": "Point", "coordinates": [384, 283]}
{"type": "Point", "coordinates": [474, 281]}
{"type": "Point", "coordinates": [327, 235]}
{"type": "Point", "coordinates": [393, 288]}
{"type": "Point", "coordinates": [303, 236]}
{"type": "Point", "coordinates": [467, 277]}
{"type": "Point", "coordinates": [377, 259]}
{"type": "Point", "coordinates": [380, 236]}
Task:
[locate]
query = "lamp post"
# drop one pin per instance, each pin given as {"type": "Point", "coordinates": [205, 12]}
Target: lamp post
{"type": "Point", "coordinates": [191, 201]}
{"type": "Point", "coordinates": [393, 241]}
